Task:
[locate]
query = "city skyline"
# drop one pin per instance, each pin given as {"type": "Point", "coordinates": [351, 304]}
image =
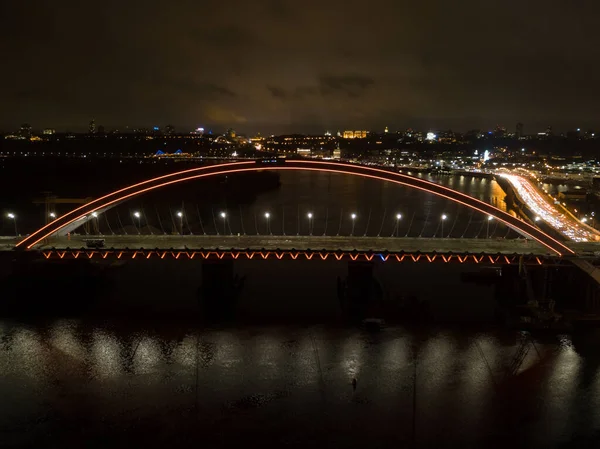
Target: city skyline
{"type": "Point", "coordinates": [281, 66]}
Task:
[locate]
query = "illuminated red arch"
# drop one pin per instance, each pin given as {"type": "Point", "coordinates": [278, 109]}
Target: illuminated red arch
{"type": "Point", "coordinates": [333, 167]}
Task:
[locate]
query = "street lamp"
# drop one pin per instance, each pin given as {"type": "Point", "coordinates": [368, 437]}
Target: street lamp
{"type": "Point", "coordinates": [95, 216]}
{"type": "Point", "coordinates": [584, 220]}
{"type": "Point", "coordinates": [137, 215]}
{"type": "Point", "coordinates": [180, 215]}
{"type": "Point", "coordinates": [13, 217]}
{"type": "Point", "coordinates": [52, 215]}
{"type": "Point", "coordinates": [224, 217]}
{"type": "Point", "coordinates": [398, 218]}
{"type": "Point", "coordinates": [487, 234]}
{"type": "Point", "coordinates": [353, 216]}
{"type": "Point", "coordinates": [267, 216]}
{"type": "Point", "coordinates": [310, 216]}
{"type": "Point", "coordinates": [537, 219]}
{"type": "Point", "coordinates": [444, 217]}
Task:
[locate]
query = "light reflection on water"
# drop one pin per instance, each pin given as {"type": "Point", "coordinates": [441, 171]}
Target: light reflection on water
{"type": "Point", "coordinates": [250, 374]}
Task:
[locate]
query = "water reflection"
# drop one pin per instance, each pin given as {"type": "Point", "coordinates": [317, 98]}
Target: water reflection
{"type": "Point", "coordinates": [106, 355]}
{"type": "Point", "coordinates": [463, 392]}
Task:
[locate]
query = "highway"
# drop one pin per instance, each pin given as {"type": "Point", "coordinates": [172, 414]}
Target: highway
{"type": "Point", "coordinates": [543, 207]}
{"type": "Point", "coordinates": [344, 243]}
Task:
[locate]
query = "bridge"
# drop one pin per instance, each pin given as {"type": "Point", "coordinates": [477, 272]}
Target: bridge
{"type": "Point", "coordinates": [392, 249]}
{"type": "Point", "coordinates": [76, 218]}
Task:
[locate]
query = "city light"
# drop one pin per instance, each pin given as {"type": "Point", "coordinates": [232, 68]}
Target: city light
{"type": "Point", "coordinates": [353, 216]}
{"type": "Point", "coordinates": [267, 215]}
{"type": "Point", "coordinates": [309, 215]}
{"type": "Point", "coordinates": [13, 217]}
{"type": "Point", "coordinates": [180, 214]}
{"type": "Point", "coordinates": [52, 215]}
{"type": "Point", "coordinates": [398, 216]}
{"type": "Point", "coordinates": [223, 215]}
{"type": "Point", "coordinates": [544, 210]}
{"type": "Point", "coordinates": [135, 214]}
{"type": "Point", "coordinates": [490, 218]}
{"type": "Point", "coordinates": [444, 216]}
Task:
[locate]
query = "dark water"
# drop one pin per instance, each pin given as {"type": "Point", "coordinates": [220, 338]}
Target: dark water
{"type": "Point", "coordinates": [69, 383]}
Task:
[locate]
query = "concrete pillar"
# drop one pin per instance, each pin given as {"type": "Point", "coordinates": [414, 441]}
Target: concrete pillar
{"type": "Point", "coordinates": [219, 290]}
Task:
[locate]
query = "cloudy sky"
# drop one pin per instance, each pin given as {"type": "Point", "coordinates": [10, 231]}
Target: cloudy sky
{"type": "Point", "coordinates": [306, 66]}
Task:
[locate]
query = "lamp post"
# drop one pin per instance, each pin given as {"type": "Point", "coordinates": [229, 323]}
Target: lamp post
{"type": "Point", "coordinates": [180, 215]}
{"type": "Point", "coordinates": [310, 216]}
{"type": "Point", "coordinates": [487, 234]}
{"type": "Point", "coordinates": [353, 217]}
{"type": "Point", "coordinates": [444, 217]}
{"type": "Point", "coordinates": [137, 215]}
{"type": "Point", "coordinates": [95, 217]}
{"type": "Point", "coordinates": [268, 216]}
{"type": "Point", "coordinates": [224, 217]}
{"type": "Point", "coordinates": [398, 218]}
{"type": "Point", "coordinates": [13, 217]}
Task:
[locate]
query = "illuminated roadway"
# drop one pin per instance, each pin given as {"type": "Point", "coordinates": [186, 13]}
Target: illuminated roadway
{"type": "Point", "coordinates": [542, 205]}
{"type": "Point", "coordinates": [272, 242]}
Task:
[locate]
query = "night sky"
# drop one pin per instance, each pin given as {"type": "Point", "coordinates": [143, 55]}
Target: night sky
{"type": "Point", "coordinates": [305, 66]}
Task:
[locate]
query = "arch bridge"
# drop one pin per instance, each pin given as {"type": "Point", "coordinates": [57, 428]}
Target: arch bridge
{"type": "Point", "coordinates": [78, 216]}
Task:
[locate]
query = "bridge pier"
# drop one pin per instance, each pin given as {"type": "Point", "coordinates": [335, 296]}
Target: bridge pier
{"type": "Point", "coordinates": [547, 297]}
{"type": "Point", "coordinates": [360, 294]}
{"type": "Point", "coordinates": [219, 291]}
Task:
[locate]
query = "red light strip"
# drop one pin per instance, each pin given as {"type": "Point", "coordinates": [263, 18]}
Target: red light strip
{"type": "Point", "coordinates": [497, 212]}
{"type": "Point", "coordinates": [293, 255]}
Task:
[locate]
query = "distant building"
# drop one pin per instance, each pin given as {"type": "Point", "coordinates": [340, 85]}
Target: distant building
{"type": "Point", "coordinates": [337, 153]}
{"type": "Point", "coordinates": [25, 130]}
{"type": "Point", "coordinates": [573, 195]}
{"type": "Point", "coordinates": [519, 131]}
{"type": "Point", "coordinates": [169, 130]}
{"type": "Point", "coordinates": [101, 130]}
{"type": "Point", "coordinates": [48, 132]}
{"type": "Point", "coordinates": [355, 134]}
{"type": "Point", "coordinates": [92, 127]}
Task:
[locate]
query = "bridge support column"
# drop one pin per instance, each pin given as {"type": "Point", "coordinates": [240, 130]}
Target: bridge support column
{"type": "Point", "coordinates": [360, 294]}
{"type": "Point", "coordinates": [220, 288]}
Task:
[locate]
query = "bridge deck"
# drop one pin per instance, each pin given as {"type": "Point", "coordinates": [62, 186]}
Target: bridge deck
{"type": "Point", "coordinates": [343, 243]}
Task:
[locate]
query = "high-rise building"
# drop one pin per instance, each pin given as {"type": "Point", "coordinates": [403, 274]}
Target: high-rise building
{"type": "Point", "coordinates": [25, 130]}
{"type": "Point", "coordinates": [519, 131]}
{"type": "Point", "coordinates": [92, 127]}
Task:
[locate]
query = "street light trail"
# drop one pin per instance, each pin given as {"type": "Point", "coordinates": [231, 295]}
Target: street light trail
{"type": "Point", "coordinates": [543, 209]}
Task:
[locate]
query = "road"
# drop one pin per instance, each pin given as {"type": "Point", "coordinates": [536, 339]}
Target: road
{"type": "Point", "coordinates": [344, 243]}
{"type": "Point", "coordinates": [543, 206]}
